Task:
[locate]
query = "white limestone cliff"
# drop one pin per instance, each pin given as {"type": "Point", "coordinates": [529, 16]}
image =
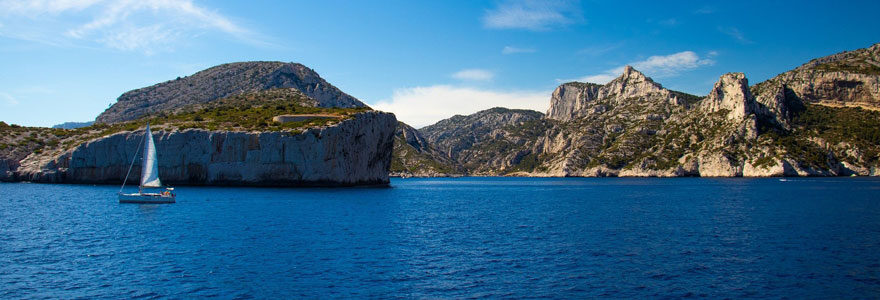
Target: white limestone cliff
{"type": "Point", "coordinates": [354, 152]}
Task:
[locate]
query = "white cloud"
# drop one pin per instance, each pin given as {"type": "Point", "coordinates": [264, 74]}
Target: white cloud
{"type": "Point", "coordinates": [129, 25]}
{"type": "Point", "coordinates": [474, 75]}
{"type": "Point", "coordinates": [670, 65]}
{"type": "Point", "coordinates": [657, 66]}
{"type": "Point", "coordinates": [532, 15]}
{"type": "Point", "coordinates": [422, 106]}
{"type": "Point", "coordinates": [515, 50]}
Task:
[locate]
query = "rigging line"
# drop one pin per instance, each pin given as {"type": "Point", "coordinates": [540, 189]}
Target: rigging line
{"type": "Point", "coordinates": [132, 161]}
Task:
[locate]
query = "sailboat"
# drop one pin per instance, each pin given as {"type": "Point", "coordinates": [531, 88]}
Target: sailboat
{"type": "Point", "coordinates": [149, 177]}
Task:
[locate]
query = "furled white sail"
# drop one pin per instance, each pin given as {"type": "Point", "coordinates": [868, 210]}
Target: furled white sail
{"type": "Point", "coordinates": [150, 166]}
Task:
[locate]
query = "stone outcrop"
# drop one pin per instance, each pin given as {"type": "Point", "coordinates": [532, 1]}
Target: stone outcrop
{"type": "Point", "coordinates": [731, 93]}
{"type": "Point", "coordinates": [224, 81]}
{"type": "Point", "coordinates": [356, 151]}
{"type": "Point", "coordinates": [575, 99]}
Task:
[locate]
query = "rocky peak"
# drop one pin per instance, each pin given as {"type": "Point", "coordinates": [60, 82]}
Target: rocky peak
{"type": "Point", "coordinates": [575, 99]}
{"type": "Point", "coordinates": [731, 93]}
{"type": "Point", "coordinates": [631, 73]}
{"type": "Point", "coordinates": [630, 84]}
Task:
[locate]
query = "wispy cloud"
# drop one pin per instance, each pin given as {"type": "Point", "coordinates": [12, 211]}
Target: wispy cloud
{"type": "Point", "coordinates": [670, 22]}
{"type": "Point", "coordinates": [8, 100]}
{"type": "Point", "coordinates": [657, 66]}
{"type": "Point", "coordinates": [422, 106]}
{"type": "Point", "coordinates": [705, 10]}
{"type": "Point", "coordinates": [129, 25]}
{"type": "Point", "coordinates": [474, 75]}
{"type": "Point", "coordinates": [532, 15]}
{"type": "Point", "coordinates": [515, 50]}
{"type": "Point", "coordinates": [735, 34]}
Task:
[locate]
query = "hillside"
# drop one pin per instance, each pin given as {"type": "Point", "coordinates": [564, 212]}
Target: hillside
{"type": "Point", "coordinates": [479, 142]}
{"type": "Point", "coordinates": [225, 81]}
{"type": "Point", "coordinates": [847, 79]}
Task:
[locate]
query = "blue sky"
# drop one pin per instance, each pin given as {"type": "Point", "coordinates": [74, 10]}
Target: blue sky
{"type": "Point", "coordinates": [67, 60]}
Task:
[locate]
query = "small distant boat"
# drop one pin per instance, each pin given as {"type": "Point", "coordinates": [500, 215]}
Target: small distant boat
{"type": "Point", "coordinates": [149, 177]}
{"type": "Point", "coordinates": [783, 179]}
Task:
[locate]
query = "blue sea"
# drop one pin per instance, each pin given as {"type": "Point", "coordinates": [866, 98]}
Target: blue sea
{"type": "Point", "coordinates": [561, 238]}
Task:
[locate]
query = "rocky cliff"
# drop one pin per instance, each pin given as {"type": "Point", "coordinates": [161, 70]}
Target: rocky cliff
{"type": "Point", "coordinates": [224, 81]}
{"type": "Point", "coordinates": [632, 126]}
{"type": "Point", "coordinates": [576, 99]}
{"type": "Point", "coordinates": [850, 79]}
{"type": "Point", "coordinates": [356, 151]}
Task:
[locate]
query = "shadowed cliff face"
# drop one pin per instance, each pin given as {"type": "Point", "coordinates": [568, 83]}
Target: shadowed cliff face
{"type": "Point", "coordinates": [356, 151]}
{"type": "Point", "coordinates": [224, 81]}
{"type": "Point", "coordinates": [414, 156]}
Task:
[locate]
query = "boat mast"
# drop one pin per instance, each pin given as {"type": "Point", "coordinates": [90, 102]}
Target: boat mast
{"type": "Point", "coordinates": [133, 158]}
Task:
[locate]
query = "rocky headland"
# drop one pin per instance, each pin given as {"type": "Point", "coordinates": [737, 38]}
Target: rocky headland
{"type": "Point", "coordinates": [819, 119]}
{"type": "Point", "coordinates": [248, 124]}
{"type": "Point", "coordinates": [354, 152]}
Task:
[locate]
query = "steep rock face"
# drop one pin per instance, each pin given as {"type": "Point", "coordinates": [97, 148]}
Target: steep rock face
{"type": "Point", "coordinates": [849, 78]}
{"type": "Point", "coordinates": [731, 93]}
{"type": "Point", "coordinates": [7, 167]}
{"type": "Point", "coordinates": [774, 104]}
{"type": "Point", "coordinates": [415, 157]}
{"type": "Point", "coordinates": [354, 152]}
{"type": "Point", "coordinates": [224, 81]}
{"type": "Point", "coordinates": [412, 137]}
{"type": "Point", "coordinates": [570, 99]}
{"type": "Point", "coordinates": [575, 99]}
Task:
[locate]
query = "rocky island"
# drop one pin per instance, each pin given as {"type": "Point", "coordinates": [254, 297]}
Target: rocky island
{"type": "Point", "coordinates": [218, 127]}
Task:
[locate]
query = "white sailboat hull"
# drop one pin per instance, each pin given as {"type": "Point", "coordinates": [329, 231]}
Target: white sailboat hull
{"type": "Point", "coordinates": [146, 198]}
